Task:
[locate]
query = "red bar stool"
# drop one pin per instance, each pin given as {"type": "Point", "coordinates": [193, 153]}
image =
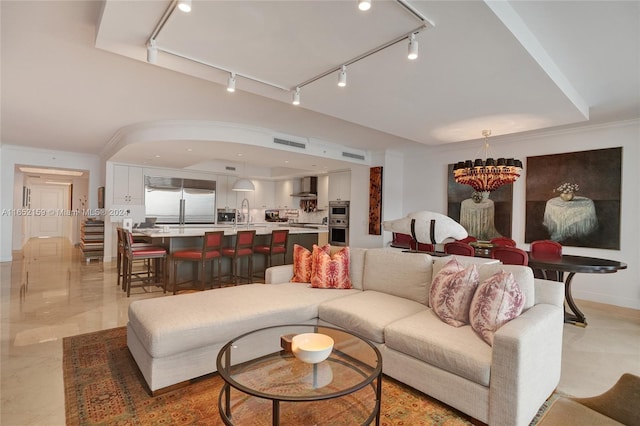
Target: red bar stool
{"type": "Point", "coordinates": [211, 250]}
{"type": "Point", "coordinates": [456, 247]}
{"type": "Point", "coordinates": [278, 245]}
{"type": "Point", "coordinates": [243, 248]}
{"type": "Point", "coordinates": [120, 255]}
{"type": "Point", "coordinates": [157, 254]}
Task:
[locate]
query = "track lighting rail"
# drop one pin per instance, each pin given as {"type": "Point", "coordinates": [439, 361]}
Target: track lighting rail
{"type": "Point", "coordinates": [152, 45]}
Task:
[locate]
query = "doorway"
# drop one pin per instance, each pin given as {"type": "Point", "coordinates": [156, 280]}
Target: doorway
{"type": "Point", "coordinates": [51, 203]}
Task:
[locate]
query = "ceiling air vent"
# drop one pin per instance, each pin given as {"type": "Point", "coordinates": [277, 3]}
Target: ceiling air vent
{"type": "Point", "coordinates": [351, 155]}
{"type": "Point", "coordinates": [289, 143]}
{"type": "Point", "coordinates": [230, 168]}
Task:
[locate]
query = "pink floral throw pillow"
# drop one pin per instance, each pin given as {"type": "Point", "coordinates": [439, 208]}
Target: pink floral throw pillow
{"type": "Point", "coordinates": [330, 271]}
{"type": "Point", "coordinates": [497, 301]}
{"type": "Point", "coordinates": [302, 265]}
{"type": "Point", "coordinates": [451, 292]}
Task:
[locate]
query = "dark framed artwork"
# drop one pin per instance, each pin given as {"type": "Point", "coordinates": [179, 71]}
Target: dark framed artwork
{"type": "Point", "coordinates": [101, 197]}
{"type": "Point", "coordinates": [480, 226]}
{"type": "Point", "coordinates": [375, 201]}
{"type": "Point", "coordinates": [591, 218]}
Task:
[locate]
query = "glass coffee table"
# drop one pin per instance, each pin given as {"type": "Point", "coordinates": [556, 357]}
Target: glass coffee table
{"type": "Point", "coordinates": [266, 384]}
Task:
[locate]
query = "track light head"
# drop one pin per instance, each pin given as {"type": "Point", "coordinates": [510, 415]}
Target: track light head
{"type": "Point", "coordinates": [152, 52]}
{"type": "Point", "coordinates": [231, 83]}
{"type": "Point", "coordinates": [364, 4]}
{"type": "Point", "coordinates": [296, 96]}
{"type": "Point", "coordinates": [413, 47]}
{"type": "Point", "coordinates": [184, 5]}
{"type": "Point", "coordinates": [342, 77]}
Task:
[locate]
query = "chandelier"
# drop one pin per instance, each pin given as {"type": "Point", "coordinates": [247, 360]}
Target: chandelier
{"type": "Point", "coordinates": [488, 175]}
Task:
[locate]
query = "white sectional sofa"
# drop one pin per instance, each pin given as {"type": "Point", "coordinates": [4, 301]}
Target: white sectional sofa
{"type": "Point", "coordinates": [174, 339]}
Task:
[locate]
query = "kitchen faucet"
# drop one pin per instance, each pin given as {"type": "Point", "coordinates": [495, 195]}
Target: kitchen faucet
{"type": "Point", "coordinates": [248, 218]}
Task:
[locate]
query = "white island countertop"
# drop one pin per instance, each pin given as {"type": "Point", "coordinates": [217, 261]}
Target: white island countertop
{"type": "Point", "coordinates": [199, 230]}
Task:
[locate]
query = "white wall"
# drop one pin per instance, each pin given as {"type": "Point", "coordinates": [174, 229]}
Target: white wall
{"type": "Point", "coordinates": [13, 155]}
{"type": "Point", "coordinates": [425, 188]}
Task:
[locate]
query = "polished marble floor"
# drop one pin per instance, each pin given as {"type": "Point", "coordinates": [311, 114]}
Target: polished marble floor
{"type": "Point", "coordinates": [49, 292]}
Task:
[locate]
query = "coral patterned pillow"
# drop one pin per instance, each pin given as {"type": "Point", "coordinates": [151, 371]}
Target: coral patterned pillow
{"type": "Point", "coordinates": [302, 266]}
{"type": "Point", "coordinates": [330, 271]}
{"type": "Point", "coordinates": [497, 301]}
{"type": "Point", "coordinates": [451, 292]}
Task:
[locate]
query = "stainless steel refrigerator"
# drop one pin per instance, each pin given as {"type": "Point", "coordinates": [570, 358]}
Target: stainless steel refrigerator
{"type": "Point", "coordinates": [180, 201]}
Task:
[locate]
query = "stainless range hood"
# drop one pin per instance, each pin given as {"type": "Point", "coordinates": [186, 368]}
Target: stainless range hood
{"type": "Point", "coordinates": [309, 187]}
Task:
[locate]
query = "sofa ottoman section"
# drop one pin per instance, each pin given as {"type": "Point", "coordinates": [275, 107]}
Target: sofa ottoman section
{"type": "Point", "coordinates": [175, 339]}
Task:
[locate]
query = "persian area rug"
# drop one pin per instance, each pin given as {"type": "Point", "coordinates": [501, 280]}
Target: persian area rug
{"type": "Point", "coordinates": [103, 386]}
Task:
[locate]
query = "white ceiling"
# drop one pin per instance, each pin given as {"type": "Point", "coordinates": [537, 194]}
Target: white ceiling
{"type": "Point", "coordinates": [74, 75]}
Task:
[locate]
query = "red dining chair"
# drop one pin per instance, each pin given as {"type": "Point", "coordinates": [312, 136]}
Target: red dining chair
{"type": "Point", "coordinates": [402, 241]}
{"type": "Point", "coordinates": [242, 248]}
{"type": "Point", "coordinates": [211, 250]}
{"type": "Point", "coordinates": [510, 255]}
{"type": "Point", "coordinates": [456, 247]}
{"type": "Point", "coordinates": [468, 239]}
{"type": "Point", "coordinates": [503, 241]}
{"type": "Point", "coordinates": [277, 245]}
{"type": "Point", "coordinates": [416, 246]}
{"type": "Point", "coordinates": [546, 250]}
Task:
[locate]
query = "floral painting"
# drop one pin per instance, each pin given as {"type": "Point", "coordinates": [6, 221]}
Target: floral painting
{"type": "Point", "coordinates": [375, 201]}
{"type": "Point", "coordinates": [467, 207]}
{"type": "Point", "coordinates": [574, 198]}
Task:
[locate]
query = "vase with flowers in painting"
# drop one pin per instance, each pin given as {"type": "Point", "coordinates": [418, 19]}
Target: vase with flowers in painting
{"type": "Point", "coordinates": [567, 190]}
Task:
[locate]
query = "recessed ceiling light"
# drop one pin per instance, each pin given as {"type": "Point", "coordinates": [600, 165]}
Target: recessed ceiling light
{"type": "Point", "coordinates": [189, 149]}
{"type": "Point", "coordinates": [364, 4]}
{"type": "Point", "coordinates": [157, 155]}
{"type": "Point", "coordinates": [184, 5]}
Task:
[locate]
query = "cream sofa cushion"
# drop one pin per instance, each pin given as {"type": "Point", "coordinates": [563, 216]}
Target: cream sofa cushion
{"type": "Point", "coordinates": [457, 350]}
{"type": "Point", "coordinates": [367, 313]}
{"type": "Point", "coordinates": [400, 274]}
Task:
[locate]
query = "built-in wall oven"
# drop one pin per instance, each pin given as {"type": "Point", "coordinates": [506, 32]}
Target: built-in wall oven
{"type": "Point", "coordinates": [339, 223]}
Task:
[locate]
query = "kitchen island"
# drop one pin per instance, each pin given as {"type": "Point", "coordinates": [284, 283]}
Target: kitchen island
{"type": "Point", "coordinates": [180, 237]}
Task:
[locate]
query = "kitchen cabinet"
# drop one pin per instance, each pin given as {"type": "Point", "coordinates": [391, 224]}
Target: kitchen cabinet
{"type": "Point", "coordinates": [128, 185]}
{"type": "Point", "coordinates": [263, 196]}
{"type": "Point", "coordinates": [283, 190]}
{"type": "Point", "coordinates": [323, 192]}
{"type": "Point", "coordinates": [340, 186]}
{"type": "Point", "coordinates": [225, 197]}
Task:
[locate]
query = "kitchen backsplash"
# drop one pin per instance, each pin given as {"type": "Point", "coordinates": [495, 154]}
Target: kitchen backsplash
{"type": "Point", "coordinates": [297, 215]}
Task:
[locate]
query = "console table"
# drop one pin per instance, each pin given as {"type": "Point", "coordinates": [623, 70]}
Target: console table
{"type": "Point", "coordinates": [572, 265]}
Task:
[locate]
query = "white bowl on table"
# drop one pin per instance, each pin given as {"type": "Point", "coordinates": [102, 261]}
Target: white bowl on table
{"type": "Point", "coordinates": [311, 348]}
